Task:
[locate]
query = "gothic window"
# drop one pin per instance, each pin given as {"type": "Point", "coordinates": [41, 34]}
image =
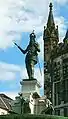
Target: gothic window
{"type": "Point", "coordinates": [57, 93]}
{"type": "Point", "coordinates": [56, 71]}
{"type": "Point", "coordinates": [54, 64]}
{"type": "Point", "coordinates": [57, 112]}
{"type": "Point", "coordinates": [66, 111]}
{"type": "Point", "coordinates": [46, 50]}
{"type": "Point", "coordinates": [66, 91]}
{"type": "Point", "coordinates": [45, 66]}
{"type": "Point", "coordinates": [65, 70]}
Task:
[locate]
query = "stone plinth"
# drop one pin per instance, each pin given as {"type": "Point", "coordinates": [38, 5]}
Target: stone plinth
{"type": "Point", "coordinates": [29, 86]}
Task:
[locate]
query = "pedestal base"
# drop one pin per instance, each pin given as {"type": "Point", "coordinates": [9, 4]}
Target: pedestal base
{"type": "Point", "coordinates": [29, 86]}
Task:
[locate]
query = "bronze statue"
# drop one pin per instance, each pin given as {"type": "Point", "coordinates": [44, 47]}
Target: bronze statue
{"type": "Point", "coordinates": [31, 56]}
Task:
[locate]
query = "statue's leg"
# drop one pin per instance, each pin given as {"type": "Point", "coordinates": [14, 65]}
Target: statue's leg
{"type": "Point", "coordinates": [28, 69]}
{"type": "Point", "coordinates": [32, 69]}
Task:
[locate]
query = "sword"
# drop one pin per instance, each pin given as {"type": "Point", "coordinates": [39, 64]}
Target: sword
{"type": "Point", "coordinates": [39, 66]}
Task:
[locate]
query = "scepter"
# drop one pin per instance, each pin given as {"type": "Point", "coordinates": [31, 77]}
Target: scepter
{"type": "Point", "coordinates": [39, 66]}
{"type": "Point", "coordinates": [15, 44]}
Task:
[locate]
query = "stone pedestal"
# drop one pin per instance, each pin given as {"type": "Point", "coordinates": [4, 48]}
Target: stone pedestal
{"type": "Point", "coordinates": [29, 86]}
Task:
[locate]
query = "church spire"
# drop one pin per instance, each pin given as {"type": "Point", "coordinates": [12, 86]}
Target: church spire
{"type": "Point", "coordinates": [50, 22]}
{"type": "Point", "coordinates": [66, 37]}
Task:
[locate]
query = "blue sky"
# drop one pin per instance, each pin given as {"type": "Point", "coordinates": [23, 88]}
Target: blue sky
{"type": "Point", "coordinates": [17, 20]}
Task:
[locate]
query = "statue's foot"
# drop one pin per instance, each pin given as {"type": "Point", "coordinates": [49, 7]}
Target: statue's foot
{"type": "Point", "coordinates": [31, 77]}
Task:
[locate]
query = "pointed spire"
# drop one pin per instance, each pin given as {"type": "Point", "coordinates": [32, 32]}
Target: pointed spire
{"type": "Point", "coordinates": [50, 22]}
{"type": "Point", "coordinates": [57, 33]}
{"type": "Point", "coordinates": [66, 36]}
{"type": "Point", "coordinates": [50, 6]}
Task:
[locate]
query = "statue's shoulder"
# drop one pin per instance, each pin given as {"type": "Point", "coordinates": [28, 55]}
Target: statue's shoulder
{"type": "Point", "coordinates": [37, 46]}
{"type": "Point", "coordinates": [37, 43]}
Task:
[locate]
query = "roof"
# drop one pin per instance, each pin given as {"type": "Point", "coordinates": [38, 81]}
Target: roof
{"type": "Point", "coordinates": [5, 102]}
{"type": "Point", "coordinates": [50, 17]}
{"type": "Point", "coordinates": [5, 96]}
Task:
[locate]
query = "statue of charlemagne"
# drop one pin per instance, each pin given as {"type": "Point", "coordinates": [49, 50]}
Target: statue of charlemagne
{"type": "Point", "coordinates": [31, 55]}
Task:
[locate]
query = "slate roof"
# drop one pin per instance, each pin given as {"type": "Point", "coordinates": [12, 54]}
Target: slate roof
{"type": "Point", "coordinates": [5, 102]}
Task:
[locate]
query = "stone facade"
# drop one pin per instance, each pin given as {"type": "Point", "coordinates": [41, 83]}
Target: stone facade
{"type": "Point", "coordinates": [50, 37]}
{"type": "Point", "coordinates": [56, 67]}
{"type": "Point", "coordinates": [60, 78]}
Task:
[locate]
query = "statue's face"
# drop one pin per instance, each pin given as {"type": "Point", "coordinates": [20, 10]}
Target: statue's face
{"type": "Point", "coordinates": [32, 40]}
{"type": "Point", "coordinates": [32, 37]}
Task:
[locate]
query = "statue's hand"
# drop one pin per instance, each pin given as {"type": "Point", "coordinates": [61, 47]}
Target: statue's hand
{"type": "Point", "coordinates": [16, 44]}
{"type": "Point", "coordinates": [23, 51]}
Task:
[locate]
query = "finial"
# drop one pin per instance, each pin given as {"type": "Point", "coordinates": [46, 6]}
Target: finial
{"type": "Point", "coordinates": [32, 34]}
{"type": "Point", "coordinates": [57, 26]}
{"type": "Point", "coordinates": [50, 6]}
{"type": "Point", "coordinates": [33, 31]}
{"type": "Point", "coordinates": [44, 27]}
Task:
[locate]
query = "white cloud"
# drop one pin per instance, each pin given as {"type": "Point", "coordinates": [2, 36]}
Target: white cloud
{"type": "Point", "coordinates": [6, 75]}
{"type": "Point", "coordinates": [38, 75]}
{"type": "Point", "coordinates": [41, 43]}
{"type": "Point", "coordinates": [8, 71]}
{"type": "Point", "coordinates": [23, 73]}
{"type": "Point", "coordinates": [60, 21]}
{"type": "Point", "coordinates": [10, 67]}
{"type": "Point", "coordinates": [63, 2]}
{"type": "Point", "coordinates": [17, 16]}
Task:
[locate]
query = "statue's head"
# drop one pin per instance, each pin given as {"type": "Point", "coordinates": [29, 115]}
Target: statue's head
{"type": "Point", "coordinates": [32, 36]}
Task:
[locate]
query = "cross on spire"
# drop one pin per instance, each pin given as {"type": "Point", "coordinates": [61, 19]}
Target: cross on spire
{"type": "Point", "coordinates": [50, 22]}
{"type": "Point", "coordinates": [50, 6]}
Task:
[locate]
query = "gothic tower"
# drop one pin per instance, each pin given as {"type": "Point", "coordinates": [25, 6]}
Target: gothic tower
{"type": "Point", "coordinates": [51, 38]}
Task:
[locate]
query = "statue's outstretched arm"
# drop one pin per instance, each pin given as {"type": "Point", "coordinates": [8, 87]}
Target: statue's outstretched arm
{"type": "Point", "coordinates": [23, 51]}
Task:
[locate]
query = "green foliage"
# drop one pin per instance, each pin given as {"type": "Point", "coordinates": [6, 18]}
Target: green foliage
{"type": "Point", "coordinates": [28, 116]}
